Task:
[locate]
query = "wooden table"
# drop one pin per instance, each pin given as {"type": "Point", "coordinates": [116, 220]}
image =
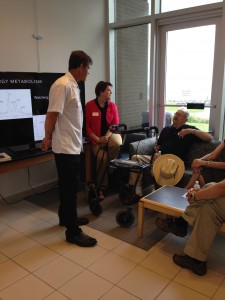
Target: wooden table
{"type": "Point", "coordinates": [169, 200]}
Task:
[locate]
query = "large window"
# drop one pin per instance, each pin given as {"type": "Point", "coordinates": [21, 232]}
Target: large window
{"type": "Point", "coordinates": [189, 58]}
{"type": "Point", "coordinates": [160, 60]}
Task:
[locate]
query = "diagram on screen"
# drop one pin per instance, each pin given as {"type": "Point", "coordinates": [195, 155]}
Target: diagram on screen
{"type": "Point", "coordinates": [15, 104]}
{"type": "Point", "coordinates": [39, 127]}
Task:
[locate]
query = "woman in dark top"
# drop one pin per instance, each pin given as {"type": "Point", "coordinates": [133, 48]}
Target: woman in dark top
{"type": "Point", "coordinates": [209, 168]}
{"type": "Point", "coordinates": [101, 113]}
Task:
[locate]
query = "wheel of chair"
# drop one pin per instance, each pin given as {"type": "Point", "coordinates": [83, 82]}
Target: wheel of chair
{"type": "Point", "coordinates": [125, 218]}
{"type": "Point", "coordinates": [95, 206]}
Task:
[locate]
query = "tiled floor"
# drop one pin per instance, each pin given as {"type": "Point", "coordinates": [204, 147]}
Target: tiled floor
{"type": "Point", "coordinates": [37, 263]}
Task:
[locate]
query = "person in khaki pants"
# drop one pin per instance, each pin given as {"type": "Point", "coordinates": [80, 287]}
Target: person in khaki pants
{"type": "Point", "coordinates": [101, 113]}
{"type": "Point", "coordinates": [206, 213]}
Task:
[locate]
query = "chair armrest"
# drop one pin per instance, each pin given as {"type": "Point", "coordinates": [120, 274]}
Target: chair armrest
{"type": "Point", "coordinates": [143, 147]}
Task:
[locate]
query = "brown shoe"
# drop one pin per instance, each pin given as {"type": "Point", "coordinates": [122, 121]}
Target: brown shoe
{"type": "Point", "coordinates": [169, 225]}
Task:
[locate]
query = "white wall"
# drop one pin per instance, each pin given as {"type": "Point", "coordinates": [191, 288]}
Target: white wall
{"type": "Point", "coordinates": [65, 25]}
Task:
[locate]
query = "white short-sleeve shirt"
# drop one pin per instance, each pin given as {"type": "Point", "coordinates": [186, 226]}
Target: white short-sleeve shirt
{"type": "Point", "coordinates": [64, 98]}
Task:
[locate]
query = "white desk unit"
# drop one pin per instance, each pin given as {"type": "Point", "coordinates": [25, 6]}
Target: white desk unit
{"type": "Point", "coordinates": [42, 157]}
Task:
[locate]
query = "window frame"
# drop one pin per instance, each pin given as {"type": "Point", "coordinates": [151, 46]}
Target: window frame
{"type": "Point", "coordinates": [217, 70]}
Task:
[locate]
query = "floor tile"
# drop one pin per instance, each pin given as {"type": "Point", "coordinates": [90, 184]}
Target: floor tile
{"type": "Point", "coordinates": [27, 206]}
{"type": "Point", "coordinates": [44, 214]}
{"type": "Point", "coordinates": [11, 214]}
{"type": "Point", "coordinates": [86, 286]}
{"type": "Point", "coordinates": [55, 296]}
{"type": "Point", "coordinates": [119, 294]}
{"type": "Point", "coordinates": [28, 288]}
{"type": "Point", "coordinates": [175, 291]}
{"type": "Point", "coordinates": [59, 271]}
{"type": "Point", "coordinates": [10, 272]}
{"type": "Point", "coordinates": [3, 258]}
{"type": "Point", "coordinates": [85, 256]}
{"type": "Point", "coordinates": [143, 283]}
{"type": "Point", "coordinates": [161, 262]}
{"type": "Point", "coordinates": [206, 285]}
{"type": "Point", "coordinates": [35, 258]}
{"type": "Point", "coordinates": [7, 232]}
{"type": "Point", "coordinates": [22, 243]}
{"type": "Point", "coordinates": [220, 293]}
{"type": "Point", "coordinates": [25, 223]}
{"type": "Point", "coordinates": [58, 243]}
{"type": "Point", "coordinates": [130, 252]}
{"type": "Point", "coordinates": [42, 232]}
{"type": "Point", "coordinates": [106, 241]}
{"type": "Point", "coordinates": [112, 267]}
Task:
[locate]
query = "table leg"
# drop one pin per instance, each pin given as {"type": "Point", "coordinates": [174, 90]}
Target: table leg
{"type": "Point", "coordinates": [141, 211]}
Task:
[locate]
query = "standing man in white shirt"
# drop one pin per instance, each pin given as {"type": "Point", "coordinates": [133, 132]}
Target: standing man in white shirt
{"type": "Point", "coordinates": [63, 132]}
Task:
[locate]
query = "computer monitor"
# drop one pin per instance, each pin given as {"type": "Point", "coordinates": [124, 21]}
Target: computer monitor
{"type": "Point", "coordinates": [23, 106]}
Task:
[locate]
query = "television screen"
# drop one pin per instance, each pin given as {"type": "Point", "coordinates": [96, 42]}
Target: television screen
{"type": "Point", "coordinates": [23, 106]}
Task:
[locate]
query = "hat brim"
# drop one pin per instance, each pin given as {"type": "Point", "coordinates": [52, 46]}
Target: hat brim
{"type": "Point", "coordinates": [157, 167]}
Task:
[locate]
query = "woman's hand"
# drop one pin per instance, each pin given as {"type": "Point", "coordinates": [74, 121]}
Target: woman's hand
{"type": "Point", "coordinates": [103, 140]}
{"type": "Point", "coordinates": [198, 163]}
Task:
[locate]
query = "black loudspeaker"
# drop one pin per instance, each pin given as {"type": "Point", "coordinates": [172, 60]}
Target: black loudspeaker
{"type": "Point", "coordinates": [195, 105]}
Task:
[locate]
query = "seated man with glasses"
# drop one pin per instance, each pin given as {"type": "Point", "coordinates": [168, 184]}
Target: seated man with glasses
{"type": "Point", "coordinates": [176, 139]}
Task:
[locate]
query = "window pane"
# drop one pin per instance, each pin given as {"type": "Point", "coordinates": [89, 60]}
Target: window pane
{"type": "Point", "coordinates": [189, 69]}
{"type": "Point", "coordinates": [132, 73]}
{"type": "Point", "coordinates": [180, 4]}
{"type": "Point", "coordinates": [133, 9]}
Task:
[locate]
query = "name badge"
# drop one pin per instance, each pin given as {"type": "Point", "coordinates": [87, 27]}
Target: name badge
{"type": "Point", "coordinates": [95, 114]}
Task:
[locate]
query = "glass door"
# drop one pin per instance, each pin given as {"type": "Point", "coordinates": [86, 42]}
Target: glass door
{"type": "Point", "coordinates": [186, 70]}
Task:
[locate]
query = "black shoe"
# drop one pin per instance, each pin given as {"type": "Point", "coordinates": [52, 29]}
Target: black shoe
{"type": "Point", "coordinates": [95, 207]}
{"type": "Point", "coordinates": [169, 225]}
{"type": "Point", "coordinates": [81, 221]}
{"type": "Point", "coordinates": [185, 261]}
{"type": "Point", "coordinates": [81, 239]}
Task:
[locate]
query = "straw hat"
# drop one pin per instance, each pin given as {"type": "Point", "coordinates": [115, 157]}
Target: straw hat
{"type": "Point", "coordinates": [168, 169]}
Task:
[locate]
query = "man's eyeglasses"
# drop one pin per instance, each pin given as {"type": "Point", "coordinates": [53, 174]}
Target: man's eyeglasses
{"type": "Point", "coordinates": [179, 115]}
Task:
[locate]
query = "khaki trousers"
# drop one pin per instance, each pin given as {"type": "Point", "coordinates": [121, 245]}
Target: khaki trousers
{"type": "Point", "coordinates": [206, 217]}
{"type": "Point", "coordinates": [104, 155]}
{"type": "Point", "coordinates": [133, 175]}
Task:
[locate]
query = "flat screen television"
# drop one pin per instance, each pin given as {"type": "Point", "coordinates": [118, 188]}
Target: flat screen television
{"type": "Point", "coordinates": [23, 106]}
